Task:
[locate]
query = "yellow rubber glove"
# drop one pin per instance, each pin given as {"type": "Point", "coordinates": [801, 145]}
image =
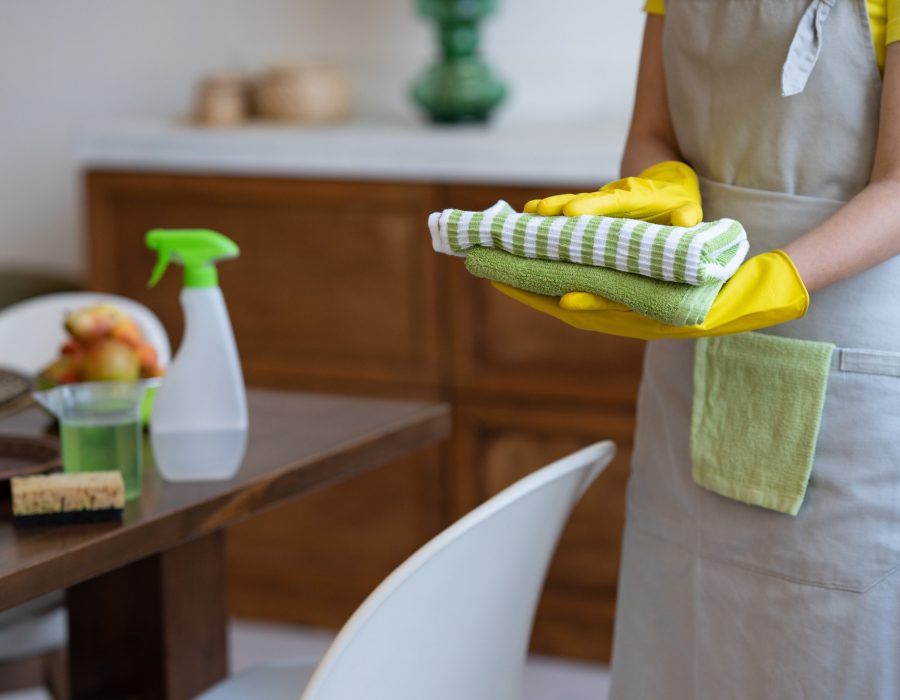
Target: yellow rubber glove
{"type": "Point", "coordinates": [765, 291]}
{"type": "Point", "coordinates": [665, 193]}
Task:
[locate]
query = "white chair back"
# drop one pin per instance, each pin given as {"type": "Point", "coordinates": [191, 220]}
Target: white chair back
{"type": "Point", "coordinates": [453, 622]}
{"type": "Point", "coordinates": [32, 331]}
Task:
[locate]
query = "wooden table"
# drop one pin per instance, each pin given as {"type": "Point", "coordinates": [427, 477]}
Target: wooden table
{"type": "Point", "coordinates": [147, 598]}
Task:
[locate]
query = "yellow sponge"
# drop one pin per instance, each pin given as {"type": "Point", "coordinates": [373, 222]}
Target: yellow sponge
{"type": "Point", "coordinates": [64, 498]}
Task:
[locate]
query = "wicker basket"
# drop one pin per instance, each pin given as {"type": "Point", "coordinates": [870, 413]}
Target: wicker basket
{"type": "Point", "coordinates": [304, 93]}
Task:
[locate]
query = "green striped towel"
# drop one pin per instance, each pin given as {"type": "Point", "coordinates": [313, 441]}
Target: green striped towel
{"type": "Point", "coordinates": [669, 302]}
{"type": "Point", "coordinates": [705, 254]}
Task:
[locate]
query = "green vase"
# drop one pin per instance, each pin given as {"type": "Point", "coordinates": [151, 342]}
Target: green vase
{"type": "Point", "coordinates": [459, 87]}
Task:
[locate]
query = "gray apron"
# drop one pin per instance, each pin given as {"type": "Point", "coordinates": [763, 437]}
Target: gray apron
{"type": "Point", "coordinates": [719, 600]}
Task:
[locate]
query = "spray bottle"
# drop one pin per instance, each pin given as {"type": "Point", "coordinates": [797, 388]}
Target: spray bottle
{"type": "Point", "coordinates": [198, 428]}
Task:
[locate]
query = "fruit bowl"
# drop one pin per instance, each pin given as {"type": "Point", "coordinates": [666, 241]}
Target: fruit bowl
{"type": "Point", "coordinates": [104, 344]}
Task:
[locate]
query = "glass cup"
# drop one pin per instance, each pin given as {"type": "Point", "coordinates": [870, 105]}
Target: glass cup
{"type": "Point", "coordinates": [100, 427]}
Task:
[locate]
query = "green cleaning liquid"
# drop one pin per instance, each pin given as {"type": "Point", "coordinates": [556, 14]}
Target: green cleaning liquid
{"type": "Point", "coordinates": [92, 446]}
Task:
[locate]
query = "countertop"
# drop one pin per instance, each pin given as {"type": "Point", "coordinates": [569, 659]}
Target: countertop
{"type": "Point", "coordinates": [527, 154]}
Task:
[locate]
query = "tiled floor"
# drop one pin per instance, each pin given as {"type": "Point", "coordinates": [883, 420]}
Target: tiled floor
{"type": "Point", "coordinates": [253, 643]}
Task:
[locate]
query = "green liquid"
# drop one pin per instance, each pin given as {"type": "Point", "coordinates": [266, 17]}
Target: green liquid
{"type": "Point", "coordinates": [97, 447]}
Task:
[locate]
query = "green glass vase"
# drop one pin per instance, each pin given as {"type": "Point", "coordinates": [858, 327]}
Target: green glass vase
{"type": "Point", "coordinates": [459, 87]}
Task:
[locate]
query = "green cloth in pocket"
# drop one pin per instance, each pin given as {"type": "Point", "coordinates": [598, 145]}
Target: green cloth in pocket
{"type": "Point", "coordinates": [758, 403]}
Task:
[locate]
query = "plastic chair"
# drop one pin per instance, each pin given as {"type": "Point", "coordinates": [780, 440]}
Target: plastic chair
{"type": "Point", "coordinates": [453, 622]}
{"type": "Point", "coordinates": [32, 646]}
{"type": "Point", "coordinates": [32, 330]}
{"type": "Point", "coordinates": [31, 333]}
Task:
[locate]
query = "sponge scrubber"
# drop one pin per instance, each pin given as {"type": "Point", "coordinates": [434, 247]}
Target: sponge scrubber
{"type": "Point", "coordinates": [65, 498]}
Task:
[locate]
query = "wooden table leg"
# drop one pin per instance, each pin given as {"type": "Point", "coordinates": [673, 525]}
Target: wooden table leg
{"type": "Point", "coordinates": [152, 630]}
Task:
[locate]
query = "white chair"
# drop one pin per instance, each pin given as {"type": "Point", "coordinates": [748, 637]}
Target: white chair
{"type": "Point", "coordinates": [31, 333]}
{"type": "Point", "coordinates": [453, 622]}
{"type": "Point", "coordinates": [32, 330]}
{"type": "Point", "coordinates": [33, 646]}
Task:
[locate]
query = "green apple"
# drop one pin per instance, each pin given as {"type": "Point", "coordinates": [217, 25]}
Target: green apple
{"type": "Point", "coordinates": [110, 360]}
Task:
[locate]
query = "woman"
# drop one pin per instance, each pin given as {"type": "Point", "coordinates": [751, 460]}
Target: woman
{"type": "Point", "coordinates": [775, 104]}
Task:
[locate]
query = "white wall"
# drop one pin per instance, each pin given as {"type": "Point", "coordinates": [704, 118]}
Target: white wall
{"type": "Point", "coordinates": [560, 58]}
{"type": "Point", "coordinates": [67, 64]}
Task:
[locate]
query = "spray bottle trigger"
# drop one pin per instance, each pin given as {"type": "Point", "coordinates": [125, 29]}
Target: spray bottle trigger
{"type": "Point", "coordinates": [162, 263]}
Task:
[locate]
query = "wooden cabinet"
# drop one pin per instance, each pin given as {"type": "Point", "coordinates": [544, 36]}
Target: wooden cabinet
{"type": "Point", "coordinates": [312, 563]}
{"type": "Point", "coordinates": [498, 444]}
{"type": "Point", "coordinates": [335, 285]}
{"type": "Point", "coordinates": [337, 289]}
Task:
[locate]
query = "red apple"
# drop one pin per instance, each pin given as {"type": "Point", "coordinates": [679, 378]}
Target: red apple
{"type": "Point", "coordinates": [65, 370]}
{"type": "Point", "coordinates": [127, 331]}
{"type": "Point", "coordinates": [72, 349]}
{"type": "Point", "coordinates": [148, 361]}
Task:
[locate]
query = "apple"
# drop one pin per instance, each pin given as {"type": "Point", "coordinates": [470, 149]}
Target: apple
{"type": "Point", "coordinates": [148, 361]}
{"type": "Point", "coordinates": [72, 349]}
{"type": "Point", "coordinates": [93, 323]}
{"type": "Point", "coordinates": [110, 360]}
{"type": "Point", "coordinates": [65, 370]}
{"type": "Point", "coordinates": [128, 331]}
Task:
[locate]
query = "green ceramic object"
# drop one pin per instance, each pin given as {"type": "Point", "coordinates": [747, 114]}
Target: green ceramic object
{"type": "Point", "coordinates": [459, 87]}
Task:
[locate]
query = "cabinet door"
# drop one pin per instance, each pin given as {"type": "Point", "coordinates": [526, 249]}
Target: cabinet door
{"type": "Point", "coordinates": [504, 348]}
{"type": "Point", "coordinates": [334, 285]}
{"type": "Point", "coordinates": [313, 561]}
{"type": "Point", "coordinates": [496, 445]}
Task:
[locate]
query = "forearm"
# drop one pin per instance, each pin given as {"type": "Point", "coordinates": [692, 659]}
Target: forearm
{"type": "Point", "coordinates": [862, 234]}
{"type": "Point", "coordinates": [866, 231]}
{"type": "Point", "coordinates": [643, 151]}
{"type": "Point", "coordinates": [651, 138]}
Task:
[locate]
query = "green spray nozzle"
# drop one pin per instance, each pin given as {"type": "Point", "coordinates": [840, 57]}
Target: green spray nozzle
{"type": "Point", "coordinates": [198, 250]}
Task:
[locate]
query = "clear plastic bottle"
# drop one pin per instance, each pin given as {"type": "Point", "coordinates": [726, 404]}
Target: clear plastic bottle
{"type": "Point", "coordinates": [198, 429]}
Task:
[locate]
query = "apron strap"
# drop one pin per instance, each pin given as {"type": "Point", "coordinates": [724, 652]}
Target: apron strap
{"type": "Point", "coordinates": [805, 47]}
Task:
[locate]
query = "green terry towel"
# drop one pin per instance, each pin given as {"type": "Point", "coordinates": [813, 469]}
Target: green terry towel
{"type": "Point", "coordinates": [669, 302]}
{"type": "Point", "coordinates": [758, 403]}
{"type": "Point", "coordinates": [709, 253]}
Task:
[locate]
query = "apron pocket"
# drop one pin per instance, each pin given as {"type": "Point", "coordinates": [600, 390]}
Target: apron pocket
{"type": "Point", "coordinates": [847, 534]}
{"type": "Point", "coordinates": [757, 407]}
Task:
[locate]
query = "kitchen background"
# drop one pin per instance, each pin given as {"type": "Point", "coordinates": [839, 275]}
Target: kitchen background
{"type": "Point", "coordinates": [78, 195]}
{"type": "Point", "coordinates": [68, 66]}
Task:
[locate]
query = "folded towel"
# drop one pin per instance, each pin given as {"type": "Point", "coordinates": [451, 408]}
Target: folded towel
{"type": "Point", "coordinates": [670, 302]}
{"type": "Point", "coordinates": [757, 407]}
{"type": "Point", "coordinates": [704, 254]}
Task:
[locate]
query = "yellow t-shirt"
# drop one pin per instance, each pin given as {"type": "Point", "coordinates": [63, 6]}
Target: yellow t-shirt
{"type": "Point", "coordinates": [884, 18]}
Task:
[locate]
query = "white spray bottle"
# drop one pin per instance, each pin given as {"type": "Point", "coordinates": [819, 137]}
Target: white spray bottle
{"type": "Point", "coordinates": [198, 428]}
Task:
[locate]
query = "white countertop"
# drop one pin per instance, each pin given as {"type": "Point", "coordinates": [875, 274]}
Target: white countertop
{"type": "Point", "coordinates": [539, 155]}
